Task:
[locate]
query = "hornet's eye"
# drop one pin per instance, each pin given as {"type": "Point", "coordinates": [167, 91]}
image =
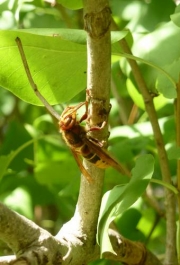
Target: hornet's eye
{"type": "Point", "coordinates": [68, 121]}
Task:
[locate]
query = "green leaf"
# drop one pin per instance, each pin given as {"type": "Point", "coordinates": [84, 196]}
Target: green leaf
{"type": "Point", "coordinates": [60, 171]}
{"type": "Point", "coordinates": [118, 35]}
{"type": "Point", "coordinates": [155, 50]}
{"type": "Point", "coordinates": [140, 16]}
{"type": "Point", "coordinates": [58, 67]}
{"type": "Point", "coordinates": [159, 101]}
{"type": "Point", "coordinates": [176, 16]}
{"type": "Point", "coordinates": [19, 200]}
{"type": "Point", "coordinates": [71, 4]}
{"type": "Point", "coordinates": [128, 221]}
{"type": "Point", "coordinates": [6, 160]}
{"type": "Point", "coordinates": [4, 163]}
{"type": "Point", "coordinates": [74, 35]}
{"type": "Point", "coordinates": [174, 152]}
{"type": "Point", "coordinates": [169, 80]}
{"type": "Point", "coordinates": [120, 198]}
{"type": "Point", "coordinates": [57, 61]}
{"type": "Point", "coordinates": [163, 85]}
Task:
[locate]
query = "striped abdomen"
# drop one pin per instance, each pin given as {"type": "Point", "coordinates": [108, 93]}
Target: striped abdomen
{"type": "Point", "coordinates": [74, 139]}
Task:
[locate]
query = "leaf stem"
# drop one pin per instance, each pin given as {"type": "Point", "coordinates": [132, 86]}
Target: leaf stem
{"type": "Point", "coordinates": [168, 186]}
{"type": "Point", "coordinates": [31, 81]}
{"type": "Point", "coordinates": [132, 57]}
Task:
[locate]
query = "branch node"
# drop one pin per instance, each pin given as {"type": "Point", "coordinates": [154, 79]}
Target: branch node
{"type": "Point", "coordinates": [97, 23]}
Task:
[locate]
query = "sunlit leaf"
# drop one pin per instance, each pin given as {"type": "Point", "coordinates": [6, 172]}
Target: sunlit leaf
{"type": "Point", "coordinates": [163, 85]}
{"type": "Point", "coordinates": [19, 200]}
{"type": "Point", "coordinates": [159, 100]}
{"type": "Point", "coordinates": [176, 16]}
{"type": "Point", "coordinates": [57, 64]}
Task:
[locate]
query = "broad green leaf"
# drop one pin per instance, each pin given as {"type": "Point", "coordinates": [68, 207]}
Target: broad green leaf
{"type": "Point", "coordinates": [155, 49]}
{"type": "Point", "coordinates": [73, 35]}
{"type": "Point", "coordinates": [120, 198]}
{"type": "Point", "coordinates": [58, 67]}
{"type": "Point", "coordinates": [57, 63]}
{"type": "Point", "coordinates": [154, 55]}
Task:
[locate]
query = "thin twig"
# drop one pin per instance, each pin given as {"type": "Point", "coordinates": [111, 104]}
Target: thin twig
{"type": "Point", "coordinates": [31, 81]}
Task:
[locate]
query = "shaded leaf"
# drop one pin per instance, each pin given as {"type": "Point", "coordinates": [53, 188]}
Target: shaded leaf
{"type": "Point", "coordinates": [174, 152]}
{"type": "Point", "coordinates": [6, 160]}
{"type": "Point", "coordinates": [120, 198]}
{"type": "Point", "coordinates": [4, 163]}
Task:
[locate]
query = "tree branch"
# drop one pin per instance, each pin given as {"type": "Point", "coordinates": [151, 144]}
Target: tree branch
{"type": "Point", "coordinates": [30, 242]}
{"type": "Point", "coordinates": [170, 202]}
{"type": "Point", "coordinates": [83, 225]}
{"type": "Point", "coordinates": [34, 245]}
{"type": "Point", "coordinates": [130, 252]}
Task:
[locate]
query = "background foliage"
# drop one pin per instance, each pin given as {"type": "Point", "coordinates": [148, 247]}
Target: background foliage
{"type": "Point", "coordinates": [42, 179]}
